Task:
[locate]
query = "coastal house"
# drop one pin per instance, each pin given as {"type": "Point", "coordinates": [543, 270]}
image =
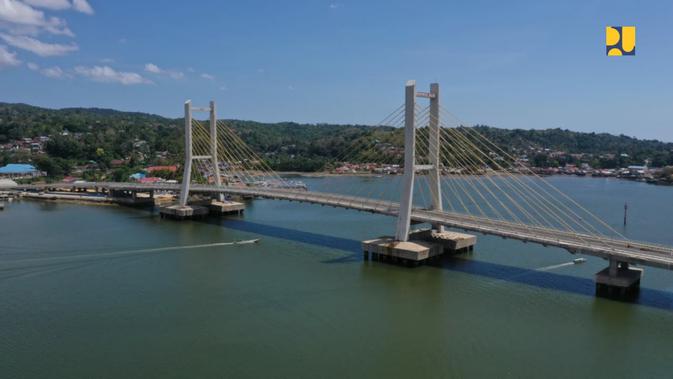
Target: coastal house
{"type": "Point", "coordinates": [151, 169]}
{"type": "Point", "coordinates": [637, 170]}
{"type": "Point", "coordinates": [150, 180]}
{"type": "Point", "coordinates": [137, 176]}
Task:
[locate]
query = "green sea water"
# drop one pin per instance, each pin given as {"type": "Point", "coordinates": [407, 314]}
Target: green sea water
{"type": "Point", "coordinates": [87, 292]}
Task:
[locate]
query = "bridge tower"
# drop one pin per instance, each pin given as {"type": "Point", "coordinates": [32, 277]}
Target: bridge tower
{"type": "Point", "coordinates": [412, 249]}
{"type": "Point", "coordinates": [434, 150]}
{"type": "Point", "coordinates": [189, 157]}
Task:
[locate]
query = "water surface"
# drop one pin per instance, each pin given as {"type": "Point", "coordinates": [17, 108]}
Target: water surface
{"type": "Point", "coordinates": [302, 303]}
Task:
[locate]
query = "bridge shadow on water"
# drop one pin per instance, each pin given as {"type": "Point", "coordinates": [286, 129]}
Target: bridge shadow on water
{"type": "Point", "coordinates": [542, 279]}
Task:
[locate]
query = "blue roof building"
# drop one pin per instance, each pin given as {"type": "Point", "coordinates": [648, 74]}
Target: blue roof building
{"type": "Point", "coordinates": [137, 176]}
{"type": "Point", "coordinates": [18, 170]}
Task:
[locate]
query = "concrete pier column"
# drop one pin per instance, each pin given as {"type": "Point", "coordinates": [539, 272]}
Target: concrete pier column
{"type": "Point", "coordinates": [434, 152]}
{"type": "Point", "coordinates": [213, 149]}
{"type": "Point", "coordinates": [187, 172]}
{"type": "Point", "coordinates": [618, 280]}
{"type": "Point", "coordinates": [404, 217]}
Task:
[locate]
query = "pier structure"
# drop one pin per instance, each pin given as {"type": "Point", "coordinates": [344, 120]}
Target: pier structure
{"type": "Point", "coordinates": [618, 280]}
{"type": "Point", "coordinates": [407, 248]}
{"type": "Point", "coordinates": [218, 205]}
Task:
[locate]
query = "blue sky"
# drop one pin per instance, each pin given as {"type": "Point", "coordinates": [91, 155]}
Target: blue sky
{"type": "Point", "coordinates": [511, 64]}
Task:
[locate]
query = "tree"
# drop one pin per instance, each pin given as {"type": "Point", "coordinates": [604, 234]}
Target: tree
{"type": "Point", "coordinates": [54, 167]}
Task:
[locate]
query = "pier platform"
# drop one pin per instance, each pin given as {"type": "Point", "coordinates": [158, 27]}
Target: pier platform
{"type": "Point", "coordinates": [422, 246]}
{"type": "Point", "coordinates": [451, 242]}
{"type": "Point", "coordinates": [618, 281]}
{"type": "Point", "coordinates": [178, 212]}
{"type": "Point", "coordinates": [226, 207]}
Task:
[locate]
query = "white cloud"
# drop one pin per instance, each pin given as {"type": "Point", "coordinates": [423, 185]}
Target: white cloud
{"type": "Point", "coordinates": [107, 60]}
{"type": "Point", "coordinates": [82, 6]}
{"type": "Point", "coordinates": [57, 5]}
{"type": "Point", "coordinates": [40, 48]}
{"type": "Point", "coordinates": [8, 58]}
{"type": "Point", "coordinates": [50, 4]}
{"type": "Point", "coordinates": [20, 13]}
{"type": "Point", "coordinates": [207, 76]}
{"type": "Point", "coordinates": [224, 87]}
{"type": "Point", "coordinates": [50, 72]}
{"type": "Point", "coordinates": [176, 75]}
{"type": "Point", "coordinates": [53, 72]}
{"type": "Point", "coordinates": [107, 74]}
{"type": "Point", "coordinates": [22, 18]}
{"type": "Point", "coordinates": [151, 67]}
{"type": "Point", "coordinates": [334, 5]}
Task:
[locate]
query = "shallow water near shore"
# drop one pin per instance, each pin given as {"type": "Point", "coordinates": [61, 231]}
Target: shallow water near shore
{"type": "Point", "coordinates": [86, 293]}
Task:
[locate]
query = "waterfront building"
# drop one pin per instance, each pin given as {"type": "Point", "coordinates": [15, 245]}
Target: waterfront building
{"type": "Point", "coordinates": [19, 171]}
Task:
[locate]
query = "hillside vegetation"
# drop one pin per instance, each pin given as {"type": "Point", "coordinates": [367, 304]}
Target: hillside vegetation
{"type": "Point", "coordinates": [99, 137]}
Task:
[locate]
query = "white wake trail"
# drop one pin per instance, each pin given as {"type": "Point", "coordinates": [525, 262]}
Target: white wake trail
{"type": "Point", "coordinates": [129, 252]}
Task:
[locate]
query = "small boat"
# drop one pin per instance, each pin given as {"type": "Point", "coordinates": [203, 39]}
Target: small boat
{"type": "Point", "coordinates": [579, 260]}
{"type": "Point", "coordinates": [2, 206]}
{"type": "Point", "coordinates": [246, 242]}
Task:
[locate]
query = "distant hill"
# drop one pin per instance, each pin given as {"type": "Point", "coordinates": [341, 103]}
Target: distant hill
{"type": "Point", "coordinates": [104, 135]}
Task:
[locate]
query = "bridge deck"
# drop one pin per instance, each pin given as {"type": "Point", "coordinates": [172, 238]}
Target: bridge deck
{"type": "Point", "coordinates": [605, 247]}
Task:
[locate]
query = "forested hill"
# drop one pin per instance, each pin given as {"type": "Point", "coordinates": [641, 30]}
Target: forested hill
{"type": "Point", "coordinates": [78, 135]}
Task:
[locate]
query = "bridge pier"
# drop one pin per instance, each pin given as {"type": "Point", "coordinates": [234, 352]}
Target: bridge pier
{"type": "Point", "coordinates": [199, 209]}
{"type": "Point", "coordinates": [618, 280]}
{"type": "Point", "coordinates": [183, 212]}
{"type": "Point", "coordinates": [224, 207]}
{"type": "Point", "coordinates": [421, 246]}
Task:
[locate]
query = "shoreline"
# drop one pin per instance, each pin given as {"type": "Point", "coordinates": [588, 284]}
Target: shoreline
{"type": "Point", "coordinates": [76, 199]}
{"type": "Point", "coordinates": [318, 174]}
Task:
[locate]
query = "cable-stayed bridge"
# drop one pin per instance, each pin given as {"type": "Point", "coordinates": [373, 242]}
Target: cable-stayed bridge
{"type": "Point", "coordinates": [452, 176]}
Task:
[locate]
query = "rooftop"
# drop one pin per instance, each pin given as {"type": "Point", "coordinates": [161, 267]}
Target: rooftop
{"type": "Point", "coordinates": [17, 168]}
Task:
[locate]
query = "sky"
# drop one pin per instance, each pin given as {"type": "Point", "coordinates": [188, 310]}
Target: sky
{"type": "Point", "coordinates": [510, 64]}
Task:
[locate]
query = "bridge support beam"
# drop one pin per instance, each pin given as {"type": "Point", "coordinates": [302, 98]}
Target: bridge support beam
{"type": "Point", "coordinates": [213, 149]}
{"type": "Point", "coordinates": [618, 281]}
{"type": "Point", "coordinates": [218, 205]}
{"type": "Point", "coordinates": [404, 217]}
{"type": "Point", "coordinates": [187, 171]}
{"type": "Point", "coordinates": [434, 152]}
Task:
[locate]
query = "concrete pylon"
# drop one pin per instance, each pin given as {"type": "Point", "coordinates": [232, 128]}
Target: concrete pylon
{"type": "Point", "coordinates": [404, 217]}
{"type": "Point", "coordinates": [213, 148]}
{"type": "Point", "coordinates": [434, 153]}
{"type": "Point", "coordinates": [187, 171]}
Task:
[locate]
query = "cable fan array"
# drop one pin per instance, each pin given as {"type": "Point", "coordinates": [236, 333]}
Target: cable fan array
{"type": "Point", "coordinates": [478, 179]}
{"type": "Point", "coordinates": [238, 164]}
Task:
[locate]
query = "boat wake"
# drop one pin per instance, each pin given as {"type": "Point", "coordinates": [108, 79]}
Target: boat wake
{"type": "Point", "coordinates": [127, 252]}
